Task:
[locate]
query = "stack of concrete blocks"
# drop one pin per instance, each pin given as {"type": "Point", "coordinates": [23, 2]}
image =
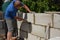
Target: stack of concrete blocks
{"type": "Point", "coordinates": [55, 27]}
{"type": "Point", "coordinates": [43, 26]}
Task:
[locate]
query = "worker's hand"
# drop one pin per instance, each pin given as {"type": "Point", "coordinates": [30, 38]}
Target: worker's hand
{"type": "Point", "coordinates": [32, 12]}
{"type": "Point", "coordinates": [14, 38]}
{"type": "Point", "coordinates": [20, 19]}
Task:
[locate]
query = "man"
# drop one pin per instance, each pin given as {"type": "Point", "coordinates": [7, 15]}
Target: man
{"type": "Point", "coordinates": [10, 15]}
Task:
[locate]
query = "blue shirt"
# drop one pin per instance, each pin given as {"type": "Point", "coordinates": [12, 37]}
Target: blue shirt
{"type": "Point", "coordinates": [11, 10]}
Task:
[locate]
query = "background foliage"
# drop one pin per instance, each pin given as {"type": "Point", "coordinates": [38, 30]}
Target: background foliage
{"type": "Point", "coordinates": [1, 2]}
{"type": "Point", "coordinates": [41, 5]}
{"type": "Point", "coordinates": [36, 5]}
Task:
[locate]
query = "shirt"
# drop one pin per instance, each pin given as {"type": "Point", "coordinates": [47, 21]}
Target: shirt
{"type": "Point", "coordinates": [11, 10]}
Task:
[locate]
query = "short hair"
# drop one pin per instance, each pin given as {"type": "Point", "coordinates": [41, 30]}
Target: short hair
{"type": "Point", "coordinates": [16, 3]}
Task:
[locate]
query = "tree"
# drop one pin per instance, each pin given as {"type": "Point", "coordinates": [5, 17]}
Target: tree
{"type": "Point", "coordinates": [36, 5]}
{"type": "Point", "coordinates": [1, 2]}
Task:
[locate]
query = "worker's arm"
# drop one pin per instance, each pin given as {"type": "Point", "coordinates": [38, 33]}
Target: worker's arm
{"type": "Point", "coordinates": [18, 18]}
{"type": "Point", "coordinates": [26, 8]}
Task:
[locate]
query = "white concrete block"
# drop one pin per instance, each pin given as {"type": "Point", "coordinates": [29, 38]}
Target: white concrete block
{"type": "Point", "coordinates": [42, 39]}
{"type": "Point", "coordinates": [38, 30]}
{"type": "Point", "coordinates": [32, 37]}
{"type": "Point", "coordinates": [42, 18]}
{"type": "Point", "coordinates": [25, 38]}
{"type": "Point", "coordinates": [19, 24]}
{"type": "Point", "coordinates": [30, 17]}
{"type": "Point", "coordinates": [56, 38]}
{"type": "Point", "coordinates": [56, 21]}
{"type": "Point", "coordinates": [54, 33]}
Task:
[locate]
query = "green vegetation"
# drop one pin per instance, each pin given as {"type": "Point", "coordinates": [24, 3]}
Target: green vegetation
{"type": "Point", "coordinates": [42, 5]}
{"type": "Point", "coordinates": [37, 5]}
{"type": "Point", "coordinates": [1, 2]}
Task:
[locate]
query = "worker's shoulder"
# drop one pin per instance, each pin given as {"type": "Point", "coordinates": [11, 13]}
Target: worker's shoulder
{"type": "Point", "coordinates": [10, 7]}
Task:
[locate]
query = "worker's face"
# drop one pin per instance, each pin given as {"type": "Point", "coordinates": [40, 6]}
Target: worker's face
{"type": "Point", "coordinates": [17, 6]}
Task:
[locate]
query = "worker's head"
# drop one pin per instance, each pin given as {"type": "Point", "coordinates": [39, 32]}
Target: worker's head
{"type": "Point", "coordinates": [17, 4]}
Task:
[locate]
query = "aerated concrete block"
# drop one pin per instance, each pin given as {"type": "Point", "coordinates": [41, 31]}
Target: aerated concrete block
{"type": "Point", "coordinates": [30, 18]}
{"type": "Point", "coordinates": [42, 39]}
{"type": "Point", "coordinates": [38, 30]}
{"type": "Point", "coordinates": [42, 18]}
{"type": "Point", "coordinates": [32, 37]}
{"type": "Point", "coordinates": [54, 33]}
{"type": "Point", "coordinates": [56, 21]}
